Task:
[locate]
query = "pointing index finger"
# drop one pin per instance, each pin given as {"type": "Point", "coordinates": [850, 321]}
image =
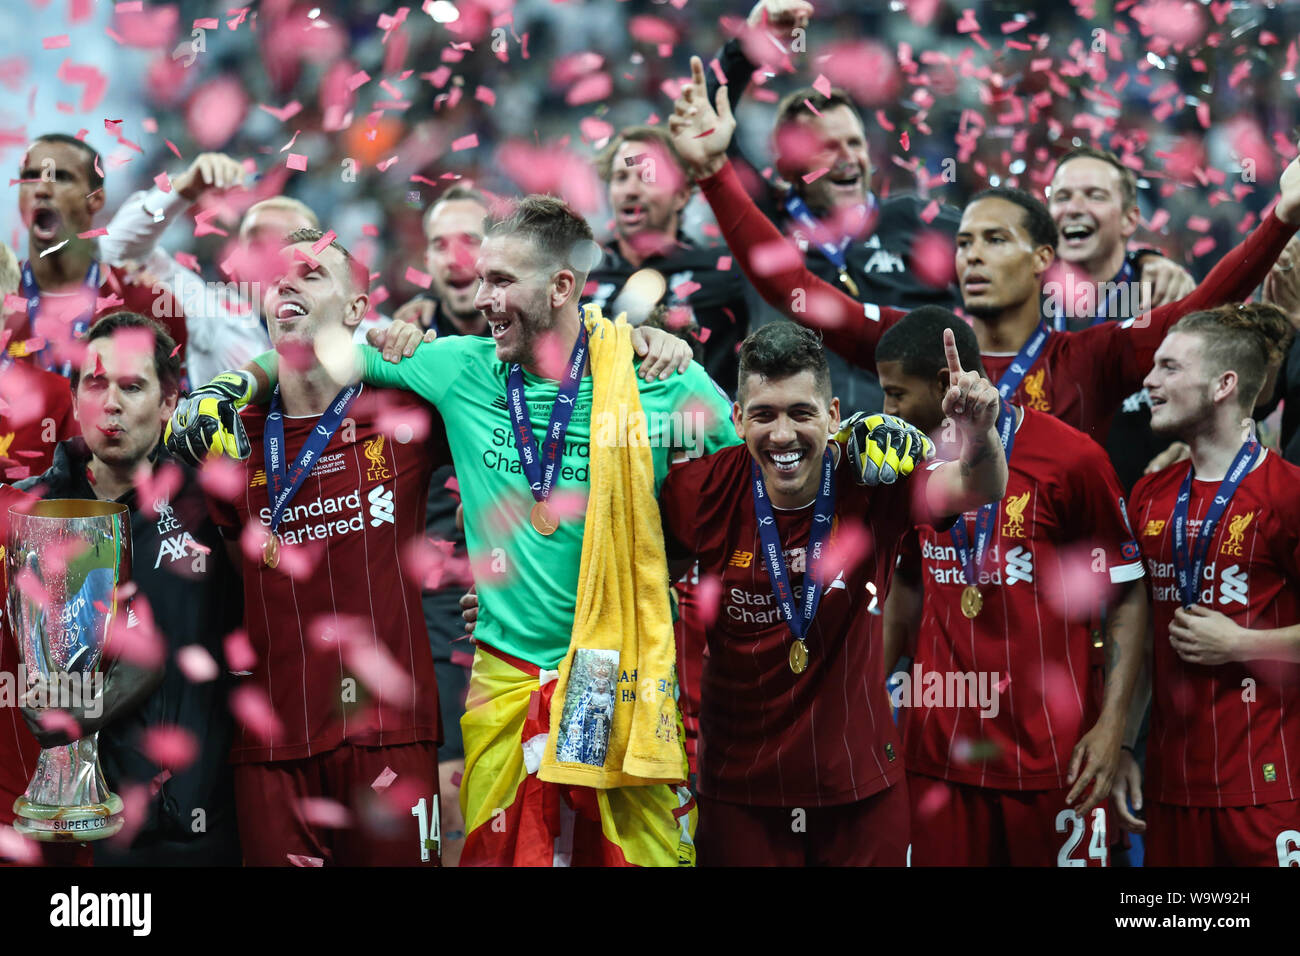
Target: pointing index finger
{"type": "Point", "coordinates": [954, 360]}
{"type": "Point", "coordinates": [697, 73]}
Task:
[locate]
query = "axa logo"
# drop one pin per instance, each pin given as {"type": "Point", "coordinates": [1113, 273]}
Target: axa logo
{"type": "Point", "coordinates": [1233, 586]}
{"type": "Point", "coordinates": [381, 506]}
{"type": "Point", "coordinates": [1020, 565]}
{"type": "Point", "coordinates": [174, 548]}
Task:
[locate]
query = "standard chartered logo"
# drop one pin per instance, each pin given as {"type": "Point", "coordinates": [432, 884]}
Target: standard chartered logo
{"type": "Point", "coordinates": [1233, 588]}
{"type": "Point", "coordinates": [1020, 565]}
{"type": "Point", "coordinates": [381, 506]}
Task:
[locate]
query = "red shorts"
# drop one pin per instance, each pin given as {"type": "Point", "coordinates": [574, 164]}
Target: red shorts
{"type": "Point", "coordinates": [956, 824]}
{"type": "Point", "coordinates": [282, 824]}
{"type": "Point", "coordinates": [870, 832]}
{"type": "Point", "coordinates": [1265, 835]}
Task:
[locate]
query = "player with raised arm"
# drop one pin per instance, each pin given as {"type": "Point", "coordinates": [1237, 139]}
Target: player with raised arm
{"type": "Point", "coordinates": [1005, 244]}
{"type": "Point", "coordinates": [799, 758]}
{"type": "Point", "coordinates": [1010, 753]}
{"type": "Point", "coordinates": [1221, 538]}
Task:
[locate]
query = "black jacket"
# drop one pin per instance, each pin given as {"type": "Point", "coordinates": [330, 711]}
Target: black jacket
{"type": "Point", "coordinates": [880, 261]}
{"type": "Point", "coordinates": [195, 599]}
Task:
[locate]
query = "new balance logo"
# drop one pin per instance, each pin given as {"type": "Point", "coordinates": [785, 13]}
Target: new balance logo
{"type": "Point", "coordinates": [741, 559]}
{"type": "Point", "coordinates": [1020, 565]}
{"type": "Point", "coordinates": [381, 506]}
{"type": "Point", "coordinates": [1233, 587]}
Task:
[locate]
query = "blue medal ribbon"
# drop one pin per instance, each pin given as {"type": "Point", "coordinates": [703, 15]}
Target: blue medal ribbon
{"type": "Point", "coordinates": [834, 251]}
{"type": "Point", "coordinates": [540, 469]}
{"type": "Point", "coordinates": [1124, 276]}
{"type": "Point", "coordinates": [778, 574]}
{"type": "Point", "coordinates": [282, 484]}
{"type": "Point", "coordinates": [1029, 354]}
{"type": "Point", "coordinates": [32, 293]}
{"type": "Point", "coordinates": [1190, 575]}
{"type": "Point", "coordinates": [984, 519]}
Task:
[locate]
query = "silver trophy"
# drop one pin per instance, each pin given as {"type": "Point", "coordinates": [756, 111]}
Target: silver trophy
{"type": "Point", "coordinates": [65, 560]}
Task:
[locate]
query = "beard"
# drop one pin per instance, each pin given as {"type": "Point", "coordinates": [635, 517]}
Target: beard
{"type": "Point", "coordinates": [1189, 423]}
{"type": "Point", "coordinates": [986, 312]}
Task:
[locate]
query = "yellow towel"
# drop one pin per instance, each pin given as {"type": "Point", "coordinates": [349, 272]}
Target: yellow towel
{"type": "Point", "coordinates": [614, 719]}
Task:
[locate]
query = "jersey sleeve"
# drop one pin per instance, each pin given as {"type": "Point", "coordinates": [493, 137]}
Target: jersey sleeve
{"type": "Point", "coordinates": [1233, 279]}
{"type": "Point", "coordinates": [708, 407]}
{"type": "Point", "coordinates": [679, 497]}
{"type": "Point", "coordinates": [777, 271]}
{"type": "Point", "coordinates": [1097, 516]}
{"type": "Point", "coordinates": [428, 373]}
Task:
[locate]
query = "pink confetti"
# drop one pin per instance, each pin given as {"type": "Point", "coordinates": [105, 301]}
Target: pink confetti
{"type": "Point", "coordinates": [464, 142]}
{"type": "Point", "coordinates": [163, 182]}
{"type": "Point", "coordinates": [240, 656]}
{"type": "Point", "coordinates": [17, 848]}
{"type": "Point", "coordinates": [652, 30]}
{"type": "Point", "coordinates": [92, 233]}
{"type": "Point", "coordinates": [297, 161]}
{"type": "Point", "coordinates": [358, 80]}
{"type": "Point", "coordinates": [253, 710]}
{"type": "Point", "coordinates": [323, 812]}
{"type": "Point", "coordinates": [904, 141]}
{"type": "Point", "coordinates": [816, 174]}
{"type": "Point", "coordinates": [590, 89]}
{"type": "Point", "coordinates": [197, 664]}
{"type": "Point", "coordinates": [822, 85]}
{"type": "Point", "coordinates": [297, 859]}
{"type": "Point", "coordinates": [56, 43]}
{"type": "Point", "coordinates": [723, 264]}
{"type": "Point", "coordinates": [485, 95]}
{"type": "Point", "coordinates": [384, 779]}
{"type": "Point", "coordinates": [284, 112]}
{"type": "Point", "coordinates": [216, 111]}
{"type": "Point", "coordinates": [173, 748]}
{"type": "Point", "coordinates": [416, 277]}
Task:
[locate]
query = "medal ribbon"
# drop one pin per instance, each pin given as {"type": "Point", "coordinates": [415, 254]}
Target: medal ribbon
{"type": "Point", "coordinates": [1189, 577]}
{"type": "Point", "coordinates": [984, 519]}
{"type": "Point", "coordinates": [1124, 276]}
{"type": "Point", "coordinates": [32, 293]}
{"type": "Point", "coordinates": [540, 469]}
{"type": "Point", "coordinates": [281, 488]}
{"type": "Point", "coordinates": [834, 251]}
{"type": "Point", "coordinates": [777, 573]}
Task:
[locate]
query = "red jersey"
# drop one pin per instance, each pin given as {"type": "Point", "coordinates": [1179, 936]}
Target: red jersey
{"type": "Point", "coordinates": [18, 748]}
{"type": "Point", "coordinates": [768, 736]}
{"type": "Point", "coordinates": [342, 650]}
{"type": "Point", "coordinates": [1213, 744]}
{"type": "Point", "coordinates": [1081, 377]}
{"type": "Point", "coordinates": [1025, 694]}
{"type": "Point", "coordinates": [118, 292]}
{"type": "Point", "coordinates": [35, 415]}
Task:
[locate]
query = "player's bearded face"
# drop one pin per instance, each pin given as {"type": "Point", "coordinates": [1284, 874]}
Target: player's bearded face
{"type": "Point", "coordinates": [785, 424]}
{"type": "Point", "coordinates": [515, 296]}
{"type": "Point", "coordinates": [647, 191]}
{"type": "Point", "coordinates": [1181, 392]}
{"type": "Point", "coordinates": [312, 294]}
{"type": "Point", "coordinates": [997, 265]}
{"type": "Point", "coordinates": [455, 235]}
{"type": "Point", "coordinates": [1086, 205]}
{"type": "Point", "coordinates": [119, 402]}
{"type": "Point", "coordinates": [834, 142]}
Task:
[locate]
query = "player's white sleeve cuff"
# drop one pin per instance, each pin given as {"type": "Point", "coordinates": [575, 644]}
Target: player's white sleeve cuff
{"type": "Point", "coordinates": [1127, 572]}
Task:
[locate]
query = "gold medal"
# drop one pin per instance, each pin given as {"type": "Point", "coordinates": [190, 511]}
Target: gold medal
{"type": "Point", "coordinates": [798, 657]}
{"type": "Point", "coordinates": [543, 519]}
{"type": "Point", "coordinates": [849, 283]}
{"type": "Point", "coordinates": [271, 551]}
{"type": "Point", "coordinates": [972, 602]}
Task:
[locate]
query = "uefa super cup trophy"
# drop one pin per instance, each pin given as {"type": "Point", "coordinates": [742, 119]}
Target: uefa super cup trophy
{"type": "Point", "coordinates": [65, 560]}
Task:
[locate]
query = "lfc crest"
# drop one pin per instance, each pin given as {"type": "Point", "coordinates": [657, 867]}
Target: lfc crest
{"type": "Point", "coordinates": [1034, 392]}
{"type": "Point", "coordinates": [1236, 531]}
{"type": "Point", "coordinates": [1015, 512]}
{"type": "Point", "coordinates": [378, 470]}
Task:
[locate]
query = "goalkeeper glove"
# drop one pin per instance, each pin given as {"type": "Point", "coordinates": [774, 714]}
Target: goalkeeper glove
{"type": "Point", "coordinates": [206, 422]}
{"type": "Point", "coordinates": [883, 448]}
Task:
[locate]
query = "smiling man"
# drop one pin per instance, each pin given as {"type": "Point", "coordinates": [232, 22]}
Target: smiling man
{"type": "Point", "coordinates": [799, 759]}
{"type": "Point", "coordinates": [1221, 537]}
{"type": "Point", "coordinates": [330, 505]}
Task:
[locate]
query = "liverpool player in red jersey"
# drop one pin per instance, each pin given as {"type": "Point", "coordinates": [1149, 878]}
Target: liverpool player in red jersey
{"type": "Point", "coordinates": [1003, 734]}
{"type": "Point", "coordinates": [799, 759]}
{"type": "Point", "coordinates": [1005, 244]}
{"type": "Point", "coordinates": [1221, 539]}
{"type": "Point", "coordinates": [333, 494]}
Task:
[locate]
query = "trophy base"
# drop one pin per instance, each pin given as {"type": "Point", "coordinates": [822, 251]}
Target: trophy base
{"type": "Point", "coordinates": [48, 824]}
